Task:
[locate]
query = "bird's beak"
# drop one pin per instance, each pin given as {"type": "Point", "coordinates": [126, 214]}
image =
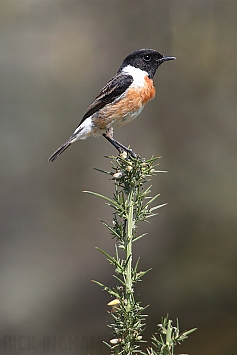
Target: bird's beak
{"type": "Point", "coordinates": [164, 59]}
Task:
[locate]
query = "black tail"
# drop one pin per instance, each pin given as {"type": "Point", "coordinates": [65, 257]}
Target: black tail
{"type": "Point", "coordinates": [59, 151]}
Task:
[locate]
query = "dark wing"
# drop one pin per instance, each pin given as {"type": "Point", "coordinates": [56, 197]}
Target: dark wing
{"type": "Point", "coordinates": [112, 90]}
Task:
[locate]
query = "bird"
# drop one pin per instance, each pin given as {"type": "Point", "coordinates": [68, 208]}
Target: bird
{"type": "Point", "coordinates": [120, 101]}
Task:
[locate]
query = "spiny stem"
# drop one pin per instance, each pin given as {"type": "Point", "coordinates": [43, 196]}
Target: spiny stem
{"type": "Point", "coordinates": [131, 204]}
{"type": "Point", "coordinates": [130, 226]}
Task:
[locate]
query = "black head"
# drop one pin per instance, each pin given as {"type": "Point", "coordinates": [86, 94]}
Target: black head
{"type": "Point", "coordinates": [145, 59]}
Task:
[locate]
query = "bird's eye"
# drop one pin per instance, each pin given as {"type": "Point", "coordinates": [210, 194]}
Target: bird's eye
{"type": "Point", "coordinates": [147, 57]}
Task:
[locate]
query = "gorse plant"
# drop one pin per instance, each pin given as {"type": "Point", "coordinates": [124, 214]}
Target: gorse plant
{"type": "Point", "coordinates": [131, 204]}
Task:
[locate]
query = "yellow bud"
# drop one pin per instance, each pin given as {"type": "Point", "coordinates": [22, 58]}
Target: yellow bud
{"type": "Point", "coordinates": [115, 341]}
{"type": "Point", "coordinates": [118, 175]}
{"type": "Point", "coordinates": [115, 302]}
{"type": "Point", "coordinates": [124, 154]}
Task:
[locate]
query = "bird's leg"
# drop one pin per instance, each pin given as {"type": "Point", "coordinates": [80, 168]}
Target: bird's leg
{"type": "Point", "coordinates": [119, 146]}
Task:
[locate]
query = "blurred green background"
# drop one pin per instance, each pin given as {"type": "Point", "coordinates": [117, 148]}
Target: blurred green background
{"type": "Point", "coordinates": [54, 58]}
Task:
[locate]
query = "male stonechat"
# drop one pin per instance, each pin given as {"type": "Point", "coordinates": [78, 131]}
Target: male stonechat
{"type": "Point", "coordinates": [120, 101]}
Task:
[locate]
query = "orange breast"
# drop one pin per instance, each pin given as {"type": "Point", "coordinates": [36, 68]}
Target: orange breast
{"type": "Point", "coordinates": [126, 108]}
{"type": "Point", "coordinates": [149, 90]}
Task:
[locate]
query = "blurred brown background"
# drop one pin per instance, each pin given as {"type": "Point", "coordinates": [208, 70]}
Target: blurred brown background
{"type": "Point", "coordinates": [54, 58]}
